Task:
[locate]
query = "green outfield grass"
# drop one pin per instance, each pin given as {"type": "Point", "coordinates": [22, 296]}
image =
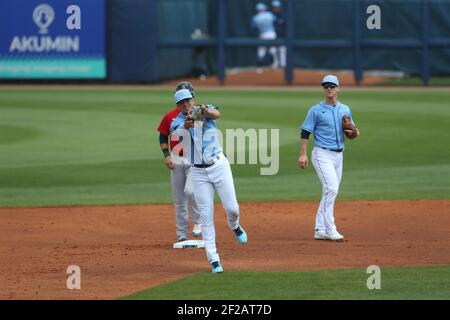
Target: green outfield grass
{"type": "Point", "coordinates": [416, 81]}
{"type": "Point", "coordinates": [396, 283]}
{"type": "Point", "coordinates": [100, 146]}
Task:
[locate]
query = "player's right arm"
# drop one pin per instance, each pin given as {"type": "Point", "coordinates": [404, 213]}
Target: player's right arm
{"type": "Point", "coordinates": [303, 158]}
{"type": "Point", "coordinates": [164, 132]}
{"type": "Point", "coordinates": [306, 128]}
{"type": "Point", "coordinates": [164, 144]}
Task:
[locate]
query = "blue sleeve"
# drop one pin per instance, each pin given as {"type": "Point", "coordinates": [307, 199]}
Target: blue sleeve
{"type": "Point", "coordinates": [210, 106]}
{"type": "Point", "coordinates": [176, 124]}
{"type": "Point", "coordinates": [309, 123]}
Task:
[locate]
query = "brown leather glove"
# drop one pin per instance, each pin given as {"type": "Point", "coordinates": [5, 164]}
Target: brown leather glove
{"type": "Point", "coordinates": [349, 128]}
{"type": "Point", "coordinates": [197, 112]}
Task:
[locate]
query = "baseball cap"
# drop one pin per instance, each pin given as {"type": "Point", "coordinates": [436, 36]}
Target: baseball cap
{"type": "Point", "coordinates": [330, 79]}
{"type": "Point", "coordinates": [276, 3]}
{"type": "Point", "coordinates": [182, 94]}
{"type": "Point", "coordinates": [185, 85]}
{"type": "Point", "coordinates": [261, 7]}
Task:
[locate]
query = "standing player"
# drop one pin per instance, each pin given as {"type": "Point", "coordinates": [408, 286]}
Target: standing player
{"type": "Point", "coordinates": [325, 122]}
{"type": "Point", "coordinates": [264, 21]}
{"type": "Point", "coordinates": [280, 29]}
{"type": "Point", "coordinates": [210, 171]}
{"type": "Point", "coordinates": [179, 167]}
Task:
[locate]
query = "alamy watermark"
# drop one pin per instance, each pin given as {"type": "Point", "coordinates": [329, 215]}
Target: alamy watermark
{"type": "Point", "coordinates": [373, 22]}
{"type": "Point", "coordinates": [74, 280]}
{"type": "Point", "coordinates": [374, 281]}
{"type": "Point", "coordinates": [250, 146]}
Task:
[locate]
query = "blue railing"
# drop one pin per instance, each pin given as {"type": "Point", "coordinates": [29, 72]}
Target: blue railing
{"type": "Point", "coordinates": [356, 44]}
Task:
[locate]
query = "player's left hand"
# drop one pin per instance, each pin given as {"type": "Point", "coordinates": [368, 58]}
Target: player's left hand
{"type": "Point", "coordinates": [350, 130]}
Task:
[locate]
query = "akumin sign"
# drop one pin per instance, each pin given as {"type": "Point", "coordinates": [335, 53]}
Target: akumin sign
{"type": "Point", "coordinates": [57, 39]}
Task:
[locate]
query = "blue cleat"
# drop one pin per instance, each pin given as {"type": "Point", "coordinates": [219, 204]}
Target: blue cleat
{"type": "Point", "coordinates": [216, 267]}
{"type": "Point", "coordinates": [240, 234]}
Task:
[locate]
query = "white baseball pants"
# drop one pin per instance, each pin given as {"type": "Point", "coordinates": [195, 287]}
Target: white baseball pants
{"type": "Point", "coordinates": [270, 35]}
{"type": "Point", "coordinates": [205, 181]}
{"type": "Point", "coordinates": [183, 198]}
{"type": "Point", "coordinates": [281, 55]}
{"type": "Point", "coordinates": [328, 165]}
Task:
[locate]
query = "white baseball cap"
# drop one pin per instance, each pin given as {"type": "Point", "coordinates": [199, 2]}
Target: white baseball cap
{"type": "Point", "coordinates": [261, 7]}
{"type": "Point", "coordinates": [182, 94]}
{"type": "Point", "coordinates": [330, 79]}
{"type": "Point", "coordinates": [276, 3]}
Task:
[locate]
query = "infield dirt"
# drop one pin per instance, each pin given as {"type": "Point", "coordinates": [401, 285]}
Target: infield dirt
{"type": "Point", "coordinates": [122, 249]}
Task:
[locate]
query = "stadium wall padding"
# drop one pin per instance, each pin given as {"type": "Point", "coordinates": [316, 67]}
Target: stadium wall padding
{"type": "Point", "coordinates": [136, 30]}
{"type": "Point", "coordinates": [131, 40]}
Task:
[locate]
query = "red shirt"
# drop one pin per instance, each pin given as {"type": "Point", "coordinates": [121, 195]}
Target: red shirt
{"type": "Point", "coordinates": [164, 126]}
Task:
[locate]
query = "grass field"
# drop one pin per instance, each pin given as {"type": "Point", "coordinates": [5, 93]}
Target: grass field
{"type": "Point", "coordinates": [395, 283]}
{"type": "Point", "coordinates": [416, 81]}
{"type": "Point", "coordinates": [100, 146]}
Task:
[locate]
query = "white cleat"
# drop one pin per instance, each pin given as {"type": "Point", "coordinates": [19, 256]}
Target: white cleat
{"type": "Point", "coordinates": [197, 231]}
{"type": "Point", "coordinates": [334, 235]}
{"type": "Point", "coordinates": [320, 235]}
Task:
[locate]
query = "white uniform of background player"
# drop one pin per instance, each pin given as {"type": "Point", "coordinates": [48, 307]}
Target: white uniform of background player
{"type": "Point", "coordinates": [324, 121]}
{"type": "Point", "coordinates": [264, 21]}
{"type": "Point", "coordinates": [210, 172]}
{"type": "Point", "coordinates": [182, 193]}
{"type": "Point", "coordinates": [280, 29]}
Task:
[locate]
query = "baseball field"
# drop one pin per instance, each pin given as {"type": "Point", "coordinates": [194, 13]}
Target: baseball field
{"type": "Point", "coordinates": [83, 182]}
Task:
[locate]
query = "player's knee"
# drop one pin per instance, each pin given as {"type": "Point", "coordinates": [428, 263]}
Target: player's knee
{"type": "Point", "coordinates": [332, 190]}
{"type": "Point", "coordinates": [188, 189]}
{"type": "Point", "coordinates": [232, 211]}
{"type": "Point", "coordinates": [180, 204]}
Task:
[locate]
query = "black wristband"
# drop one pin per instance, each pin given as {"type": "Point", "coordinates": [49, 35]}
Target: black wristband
{"type": "Point", "coordinates": [166, 152]}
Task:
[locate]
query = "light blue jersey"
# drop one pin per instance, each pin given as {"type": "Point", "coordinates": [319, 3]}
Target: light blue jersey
{"type": "Point", "coordinates": [203, 144]}
{"type": "Point", "coordinates": [325, 123]}
{"type": "Point", "coordinates": [264, 22]}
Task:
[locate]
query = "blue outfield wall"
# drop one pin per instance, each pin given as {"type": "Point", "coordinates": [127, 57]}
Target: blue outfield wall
{"type": "Point", "coordinates": [153, 40]}
{"type": "Point", "coordinates": [333, 34]}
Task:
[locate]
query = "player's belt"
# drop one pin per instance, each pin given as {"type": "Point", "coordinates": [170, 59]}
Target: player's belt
{"type": "Point", "coordinates": [207, 165]}
{"type": "Point", "coordinates": [335, 150]}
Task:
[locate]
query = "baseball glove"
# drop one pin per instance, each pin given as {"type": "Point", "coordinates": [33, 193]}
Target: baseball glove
{"type": "Point", "coordinates": [349, 128]}
{"type": "Point", "coordinates": [197, 112]}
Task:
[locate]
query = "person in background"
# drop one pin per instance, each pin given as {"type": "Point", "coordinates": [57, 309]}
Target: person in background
{"type": "Point", "coordinates": [264, 22]}
{"type": "Point", "coordinates": [280, 29]}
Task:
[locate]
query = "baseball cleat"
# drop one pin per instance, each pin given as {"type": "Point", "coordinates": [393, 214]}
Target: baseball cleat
{"type": "Point", "coordinates": [334, 235]}
{"type": "Point", "coordinates": [181, 239]}
{"type": "Point", "coordinates": [320, 235]}
{"type": "Point", "coordinates": [216, 267]}
{"type": "Point", "coordinates": [197, 231]}
{"type": "Point", "coordinates": [241, 235]}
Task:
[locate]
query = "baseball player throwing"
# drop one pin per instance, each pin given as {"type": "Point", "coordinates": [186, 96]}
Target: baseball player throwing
{"type": "Point", "coordinates": [329, 121]}
{"type": "Point", "coordinates": [210, 170]}
{"type": "Point", "coordinates": [179, 167]}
